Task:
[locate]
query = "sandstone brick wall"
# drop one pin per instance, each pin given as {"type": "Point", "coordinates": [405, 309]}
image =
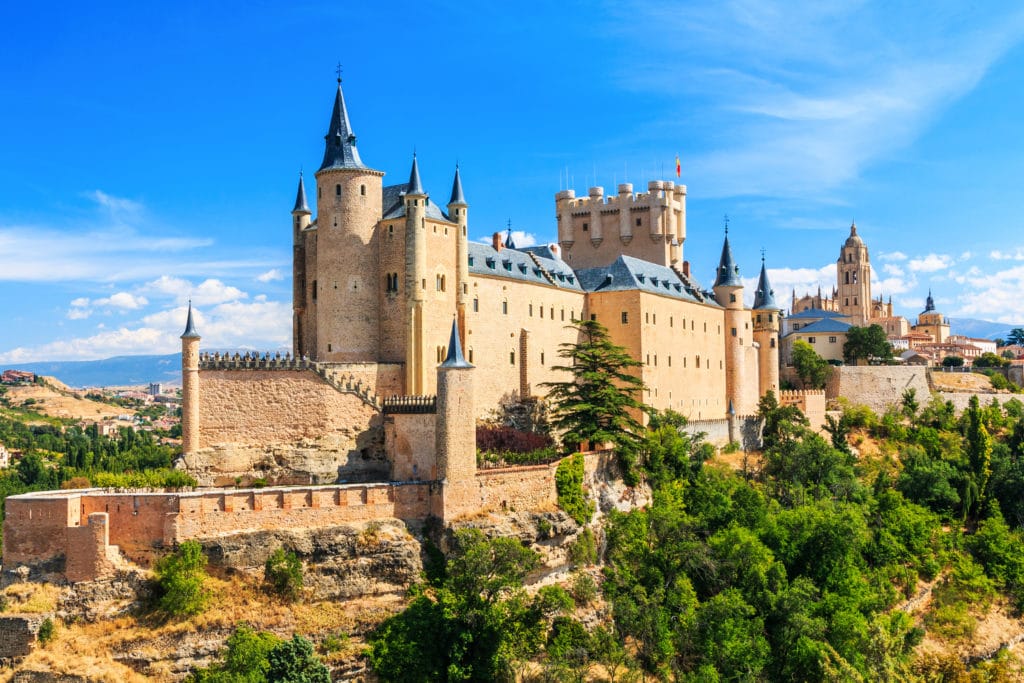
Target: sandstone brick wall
{"type": "Point", "coordinates": [137, 521]}
{"type": "Point", "coordinates": [877, 387]}
{"type": "Point", "coordinates": [34, 527]}
{"type": "Point", "coordinates": [409, 439]}
{"type": "Point", "coordinates": [517, 488]}
{"type": "Point", "coordinates": [961, 399]}
{"type": "Point", "coordinates": [88, 556]}
{"type": "Point", "coordinates": [811, 404]}
{"type": "Point", "coordinates": [18, 634]}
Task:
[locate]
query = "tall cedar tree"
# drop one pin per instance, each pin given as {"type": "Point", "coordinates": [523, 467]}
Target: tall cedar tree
{"type": "Point", "coordinates": [595, 404]}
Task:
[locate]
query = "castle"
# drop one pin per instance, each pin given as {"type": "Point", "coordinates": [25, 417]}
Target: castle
{"type": "Point", "coordinates": [405, 333]}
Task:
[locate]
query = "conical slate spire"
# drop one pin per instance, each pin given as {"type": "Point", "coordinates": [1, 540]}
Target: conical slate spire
{"type": "Point", "coordinates": [301, 205]}
{"type": "Point", "coordinates": [415, 184]}
{"type": "Point", "coordinates": [190, 327]}
{"type": "Point", "coordinates": [340, 150]}
{"type": "Point", "coordinates": [764, 297]}
{"type": "Point", "coordinates": [458, 198]}
{"type": "Point", "coordinates": [455, 358]}
{"type": "Point", "coordinates": [929, 304]}
{"type": "Point", "coordinates": [728, 272]}
{"type": "Point", "coordinates": [509, 244]}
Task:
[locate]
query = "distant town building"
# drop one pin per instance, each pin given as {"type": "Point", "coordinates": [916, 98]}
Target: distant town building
{"type": "Point", "coordinates": [17, 377]}
{"type": "Point", "coordinates": [5, 457]}
{"type": "Point", "coordinates": [155, 389]}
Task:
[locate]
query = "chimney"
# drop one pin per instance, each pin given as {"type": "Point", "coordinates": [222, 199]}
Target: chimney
{"type": "Point", "coordinates": [686, 268]}
{"type": "Point", "coordinates": [497, 242]}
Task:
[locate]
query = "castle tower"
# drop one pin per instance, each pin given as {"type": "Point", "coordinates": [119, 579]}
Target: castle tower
{"type": "Point", "coordinates": [458, 211]}
{"type": "Point", "coordinates": [766, 333]}
{"type": "Point", "coordinates": [346, 288]}
{"type": "Point", "coordinates": [455, 432]}
{"type": "Point", "coordinates": [300, 221]}
{"type": "Point", "coordinates": [853, 273]}
{"type": "Point", "coordinates": [416, 200]}
{"type": "Point", "coordinates": [728, 290]}
{"type": "Point", "coordinates": [189, 386]}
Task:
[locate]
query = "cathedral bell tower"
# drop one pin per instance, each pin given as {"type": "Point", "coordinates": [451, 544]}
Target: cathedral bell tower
{"type": "Point", "coordinates": [853, 273]}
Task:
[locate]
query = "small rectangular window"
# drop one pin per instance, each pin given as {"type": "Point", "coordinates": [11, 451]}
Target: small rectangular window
{"type": "Point", "coordinates": [625, 318]}
{"type": "Point", "coordinates": [585, 227]}
{"type": "Point", "coordinates": [638, 222]}
{"type": "Point", "coordinates": [512, 357]}
{"type": "Point", "coordinates": [531, 310]}
{"type": "Point", "coordinates": [811, 340]}
{"type": "Point", "coordinates": [734, 331]}
{"type": "Point", "coordinates": [542, 358]}
{"type": "Point", "coordinates": [831, 340]}
{"type": "Point", "coordinates": [476, 305]}
{"type": "Point", "coordinates": [504, 307]}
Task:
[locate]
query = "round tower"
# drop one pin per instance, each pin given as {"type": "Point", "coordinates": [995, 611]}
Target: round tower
{"type": "Point", "coordinates": [415, 200]}
{"type": "Point", "coordinates": [349, 199]}
{"type": "Point", "coordinates": [458, 211]}
{"type": "Point", "coordinates": [300, 221]}
{"type": "Point", "coordinates": [189, 386]}
{"type": "Point", "coordinates": [766, 315]}
{"type": "Point", "coordinates": [564, 202]}
{"type": "Point", "coordinates": [729, 294]}
{"type": "Point", "coordinates": [455, 433]}
{"type": "Point", "coordinates": [853, 273]}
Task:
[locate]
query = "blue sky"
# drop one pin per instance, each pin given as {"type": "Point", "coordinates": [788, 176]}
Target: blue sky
{"type": "Point", "coordinates": [149, 153]}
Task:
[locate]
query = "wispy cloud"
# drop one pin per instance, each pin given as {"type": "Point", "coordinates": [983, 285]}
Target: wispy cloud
{"type": "Point", "coordinates": [994, 296]}
{"type": "Point", "coordinates": [999, 255]}
{"type": "Point", "coordinates": [270, 275]}
{"type": "Point", "coordinates": [806, 106]}
{"type": "Point", "coordinates": [930, 263]}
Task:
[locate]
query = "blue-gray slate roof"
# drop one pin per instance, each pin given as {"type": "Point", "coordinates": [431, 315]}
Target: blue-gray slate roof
{"type": "Point", "coordinates": [628, 273]}
{"type": "Point", "coordinates": [393, 204]}
{"type": "Point", "coordinates": [521, 265]}
{"type": "Point", "coordinates": [455, 359]}
{"type": "Point", "coordinates": [825, 325]}
{"type": "Point", "coordinates": [728, 274]}
{"type": "Point", "coordinates": [190, 327]}
{"type": "Point", "coordinates": [815, 313]}
{"type": "Point", "coordinates": [457, 197]}
{"type": "Point", "coordinates": [340, 150]}
{"type": "Point", "coordinates": [415, 184]}
{"type": "Point", "coordinates": [764, 297]}
{"type": "Point", "coordinates": [301, 205]}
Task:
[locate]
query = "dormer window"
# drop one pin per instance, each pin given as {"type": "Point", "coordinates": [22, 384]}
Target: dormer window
{"type": "Point", "coordinates": [641, 277]}
{"type": "Point", "coordinates": [471, 260]}
{"type": "Point", "coordinates": [522, 267]}
{"type": "Point", "coordinates": [490, 262]}
{"type": "Point", "coordinates": [508, 264]}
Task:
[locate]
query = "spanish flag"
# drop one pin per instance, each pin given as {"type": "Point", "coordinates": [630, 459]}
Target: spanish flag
{"type": "Point", "coordinates": [679, 168]}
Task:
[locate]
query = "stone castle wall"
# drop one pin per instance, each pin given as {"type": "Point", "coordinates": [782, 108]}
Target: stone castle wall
{"type": "Point", "coordinates": [877, 387]}
{"type": "Point", "coordinates": [530, 487]}
{"type": "Point", "coordinates": [810, 402]}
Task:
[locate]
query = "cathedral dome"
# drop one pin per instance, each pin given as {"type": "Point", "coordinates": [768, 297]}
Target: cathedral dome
{"type": "Point", "coordinates": [854, 239]}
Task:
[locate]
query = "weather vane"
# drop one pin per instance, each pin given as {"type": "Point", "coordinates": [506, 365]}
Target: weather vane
{"type": "Point", "coordinates": [762, 254]}
{"type": "Point", "coordinates": [726, 219]}
{"type": "Point", "coordinates": [338, 71]}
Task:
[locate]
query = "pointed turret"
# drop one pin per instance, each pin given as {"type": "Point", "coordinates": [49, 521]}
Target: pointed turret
{"type": "Point", "coordinates": [190, 328]}
{"type": "Point", "coordinates": [458, 198]}
{"type": "Point", "coordinates": [340, 151]}
{"type": "Point", "coordinates": [301, 205]}
{"type": "Point", "coordinates": [764, 297]}
{"type": "Point", "coordinates": [728, 272]}
{"type": "Point", "coordinates": [415, 184]}
{"type": "Point", "coordinates": [509, 244]}
{"type": "Point", "coordinates": [455, 359]}
{"type": "Point", "coordinates": [929, 304]}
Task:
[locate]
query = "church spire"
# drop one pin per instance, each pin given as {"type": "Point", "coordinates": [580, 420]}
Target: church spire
{"type": "Point", "coordinates": [458, 198]}
{"type": "Point", "coordinates": [764, 297]}
{"type": "Point", "coordinates": [340, 150]}
{"type": "Point", "coordinates": [415, 185]}
{"type": "Point", "coordinates": [929, 304]}
{"type": "Point", "coordinates": [301, 205]}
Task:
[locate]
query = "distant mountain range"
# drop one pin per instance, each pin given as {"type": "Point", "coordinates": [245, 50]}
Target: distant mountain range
{"type": "Point", "coordinates": [110, 372]}
{"type": "Point", "coordinates": [981, 329]}
{"type": "Point", "coordinates": [135, 370]}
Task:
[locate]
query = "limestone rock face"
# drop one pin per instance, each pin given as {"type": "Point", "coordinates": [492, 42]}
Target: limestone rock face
{"type": "Point", "coordinates": [339, 562]}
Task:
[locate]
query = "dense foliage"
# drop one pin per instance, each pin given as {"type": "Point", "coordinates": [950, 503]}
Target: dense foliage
{"type": "Point", "coordinates": [867, 343]}
{"type": "Point", "coordinates": [181, 579]}
{"type": "Point", "coordinates": [282, 573]}
{"type": "Point", "coordinates": [510, 446]}
{"type": "Point", "coordinates": [260, 657]}
{"type": "Point", "coordinates": [569, 487]}
{"type": "Point", "coordinates": [811, 369]}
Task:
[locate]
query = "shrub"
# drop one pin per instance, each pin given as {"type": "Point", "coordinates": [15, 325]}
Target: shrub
{"type": "Point", "coordinates": [512, 446]}
{"type": "Point", "coordinates": [569, 485]}
{"type": "Point", "coordinates": [283, 574]}
{"type": "Point", "coordinates": [583, 550]}
{"type": "Point", "coordinates": [46, 631]}
{"type": "Point", "coordinates": [293, 661]}
{"type": "Point", "coordinates": [245, 659]}
{"type": "Point", "coordinates": [583, 589]}
{"type": "Point", "coordinates": [180, 578]}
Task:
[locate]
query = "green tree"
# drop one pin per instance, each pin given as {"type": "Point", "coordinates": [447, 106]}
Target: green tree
{"type": "Point", "coordinates": [979, 450]}
{"type": "Point", "coordinates": [812, 369]}
{"type": "Point", "coordinates": [1016, 336]}
{"type": "Point", "coordinates": [293, 661]}
{"type": "Point", "coordinates": [778, 423]}
{"type": "Point", "coordinates": [863, 343]}
{"type": "Point", "coordinates": [952, 362]}
{"type": "Point", "coordinates": [180, 578]}
{"type": "Point", "coordinates": [990, 360]}
{"type": "Point", "coordinates": [282, 572]}
{"type": "Point", "coordinates": [473, 625]}
{"type": "Point", "coordinates": [601, 402]}
{"type": "Point", "coordinates": [245, 660]}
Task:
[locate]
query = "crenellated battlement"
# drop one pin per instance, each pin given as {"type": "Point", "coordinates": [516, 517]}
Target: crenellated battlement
{"type": "Point", "coordinates": [660, 193]}
{"type": "Point", "coordinates": [410, 405]}
{"type": "Point", "coordinates": [799, 394]}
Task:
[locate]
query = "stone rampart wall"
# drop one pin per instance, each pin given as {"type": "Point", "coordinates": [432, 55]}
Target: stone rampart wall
{"type": "Point", "coordinates": [517, 488]}
{"type": "Point", "coordinates": [876, 386]}
{"type": "Point", "coordinates": [961, 399]}
{"type": "Point", "coordinates": [716, 432]}
{"type": "Point", "coordinates": [35, 527]}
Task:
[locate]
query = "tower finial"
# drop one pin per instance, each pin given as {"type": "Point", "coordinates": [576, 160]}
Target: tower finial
{"type": "Point", "coordinates": [190, 327]}
{"type": "Point", "coordinates": [726, 219]}
{"type": "Point", "coordinates": [455, 359]}
{"type": "Point", "coordinates": [338, 71]}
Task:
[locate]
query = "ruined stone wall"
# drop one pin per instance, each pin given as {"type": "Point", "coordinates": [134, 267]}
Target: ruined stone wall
{"type": "Point", "coordinates": [18, 634]}
{"type": "Point", "coordinates": [877, 387]}
{"type": "Point", "coordinates": [34, 527]}
{"type": "Point", "coordinates": [88, 550]}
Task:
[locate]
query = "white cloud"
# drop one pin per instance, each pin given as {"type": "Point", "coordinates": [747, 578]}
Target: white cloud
{"type": "Point", "coordinates": [893, 256]}
{"type": "Point", "coordinates": [122, 300]}
{"type": "Point", "coordinates": [79, 313]}
{"type": "Point", "coordinates": [786, 281]}
{"type": "Point", "coordinates": [113, 203]}
{"type": "Point", "coordinates": [930, 263]}
{"type": "Point", "coordinates": [892, 269]}
{"type": "Point", "coordinates": [272, 274]}
{"type": "Point", "coordinates": [209, 291]}
{"type": "Point", "coordinates": [966, 256]}
{"type": "Point", "coordinates": [80, 302]}
{"type": "Point", "coordinates": [1016, 255]}
{"type": "Point", "coordinates": [994, 296]}
{"type": "Point", "coordinates": [520, 238]}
